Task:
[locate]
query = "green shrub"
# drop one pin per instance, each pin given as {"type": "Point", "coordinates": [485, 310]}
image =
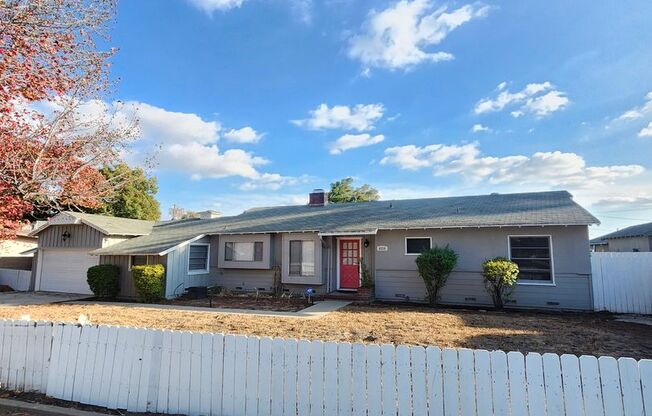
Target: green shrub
{"type": "Point", "coordinates": [500, 275]}
{"type": "Point", "coordinates": [104, 280]}
{"type": "Point", "coordinates": [434, 266]}
{"type": "Point", "coordinates": [149, 281]}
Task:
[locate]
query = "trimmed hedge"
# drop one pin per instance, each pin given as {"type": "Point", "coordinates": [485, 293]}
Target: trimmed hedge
{"type": "Point", "coordinates": [500, 276]}
{"type": "Point", "coordinates": [149, 281]}
{"type": "Point", "coordinates": [104, 280]}
{"type": "Point", "coordinates": [434, 266]}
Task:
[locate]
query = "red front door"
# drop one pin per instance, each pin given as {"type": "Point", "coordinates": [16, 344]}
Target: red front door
{"type": "Point", "coordinates": [349, 264]}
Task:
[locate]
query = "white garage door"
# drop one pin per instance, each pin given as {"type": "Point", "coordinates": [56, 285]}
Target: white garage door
{"type": "Point", "coordinates": [64, 270]}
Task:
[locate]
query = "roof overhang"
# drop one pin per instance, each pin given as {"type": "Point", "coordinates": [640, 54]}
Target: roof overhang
{"type": "Point", "coordinates": [343, 233]}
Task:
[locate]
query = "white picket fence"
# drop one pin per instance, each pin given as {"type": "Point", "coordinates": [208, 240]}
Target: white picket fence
{"type": "Point", "coordinates": [622, 282]}
{"type": "Point", "coordinates": [215, 374]}
{"type": "Point", "coordinates": [16, 279]}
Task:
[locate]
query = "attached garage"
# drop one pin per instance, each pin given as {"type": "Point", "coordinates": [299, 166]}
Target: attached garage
{"type": "Point", "coordinates": [64, 270]}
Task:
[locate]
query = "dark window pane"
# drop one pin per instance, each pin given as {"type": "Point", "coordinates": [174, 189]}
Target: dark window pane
{"type": "Point", "coordinates": [541, 242]}
{"type": "Point", "coordinates": [198, 257]}
{"type": "Point", "coordinates": [530, 253]}
{"type": "Point", "coordinates": [228, 251]}
{"type": "Point", "coordinates": [295, 257]}
{"type": "Point", "coordinates": [138, 260]}
{"type": "Point", "coordinates": [258, 251]}
{"type": "Point", "coordinates": [532, 264]}
{"type": "Point", "coordinates": [534, 275]}
{"type": "Point", "coordinates": [417, 245]}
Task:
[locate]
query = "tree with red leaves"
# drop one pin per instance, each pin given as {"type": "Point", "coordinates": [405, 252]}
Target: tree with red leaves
{"type": "Point", "coordinates": [55, 130]}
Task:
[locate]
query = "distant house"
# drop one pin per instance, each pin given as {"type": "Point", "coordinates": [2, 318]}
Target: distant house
{"type": "Point", "coordinates": [325, 246]}
{"type": "Point", "coordinates": [635, 238]}
{"type": "Point", "coordinates": [17, 253]}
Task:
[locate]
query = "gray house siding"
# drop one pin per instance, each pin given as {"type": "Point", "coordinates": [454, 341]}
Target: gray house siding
{"type": "Point", "coordinates": [177, 277]}
{"type": "Point", "coordinates": [81, 236]}
{"type": "Point", "coordinates": [629, 244]}
{"type": "Point", "coordinates": [397, 279]}
{"type": "Point", "coordinates": [127, 287]}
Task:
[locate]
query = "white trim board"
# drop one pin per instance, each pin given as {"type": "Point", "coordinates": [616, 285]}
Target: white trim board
{"type": "Point", "coordinates": [552, 260]}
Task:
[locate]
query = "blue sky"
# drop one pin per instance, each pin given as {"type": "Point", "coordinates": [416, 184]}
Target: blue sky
{"type": "Point", "coordinates": [256, 102]}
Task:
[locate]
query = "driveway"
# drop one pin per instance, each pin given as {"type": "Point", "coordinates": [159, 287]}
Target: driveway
{"type": "Point", "coordinates": [37, 298]}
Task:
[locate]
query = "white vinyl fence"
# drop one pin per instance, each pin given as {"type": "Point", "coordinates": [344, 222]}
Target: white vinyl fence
{"type": "Point", "coordinates": [622, 282]}
{"type": "Point", "coordinates": [16, 279]}
{"type": "Point", "coordinates": [216, 374]}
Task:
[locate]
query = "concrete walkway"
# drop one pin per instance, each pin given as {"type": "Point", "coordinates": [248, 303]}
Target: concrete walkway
{"type": "Point", "coordinates": [36, 298]}
{"type": "Point", "coordinates": [17, 407]}
{"type": "Point", "coordinates": [315, 311]}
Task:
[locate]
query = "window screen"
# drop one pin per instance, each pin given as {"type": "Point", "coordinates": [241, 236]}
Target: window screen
{"type": "Point", "coordinates": [416, 245]}
{"type": "Point", "coordinates": [197, 257]}
{"type": "Point", "coordinates": [138, 260]}
{"type": "Point", "coordinates": [302, 258]}
{"type": "Point", "coordinates": [243, 251]}
{"type": "Point", "coordinates": [533, 256]}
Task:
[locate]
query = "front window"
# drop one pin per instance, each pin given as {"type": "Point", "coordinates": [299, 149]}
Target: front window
{"type": "Point", "coordinates": [417, 245]}
{"type": "Point", "coordinates": [302, 258]}
{"type": "Point", "coordinates": [243, 251]}
{"type": "Point", "coordinates": [198, 258]}
{"type": "Point", "coordinates": [138, 261]}
{"type": "Point", "coordinates": [533, 256]}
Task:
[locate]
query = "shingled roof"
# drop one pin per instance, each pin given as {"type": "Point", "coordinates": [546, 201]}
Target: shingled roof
{"type": "Point", "coordinates": [495, 210]}
{"type": "Point", "coordinates": [640, 230]}
{"type": "Point", "coordinates": [105, 224]}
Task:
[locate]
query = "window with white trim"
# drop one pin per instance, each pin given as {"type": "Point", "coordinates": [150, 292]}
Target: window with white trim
{"type": "Point", "coordinates": [302, 258]}
{"type": "Point", "coordinates": [417, 245]}
{"type": "Point", "coordinates": [198, 258]}
{"type": "Point", "coordinates": [243, 251]}
{"type": "Point", "coordinates": [138, 261]}
{"type": "Point", "coordinates": [533, 254]}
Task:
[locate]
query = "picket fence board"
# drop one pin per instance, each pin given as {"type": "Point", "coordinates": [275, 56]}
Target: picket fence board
{"type": "Point", "coordinates": [621, 282]}
{"type": "Point", "coordinates": [215, 374]}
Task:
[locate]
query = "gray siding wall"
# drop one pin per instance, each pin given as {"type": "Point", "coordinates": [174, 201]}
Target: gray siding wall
{"type": "Point", "coordinates": [629, 244]}
{"type": "Point", "coordinates": [127, 288]}
{"type": "Point", "coordinates": [177, 276]}
{"type": "Point", "coordinates": [397, 278]}
{"type": "Point", "coordinates": [81, 236]}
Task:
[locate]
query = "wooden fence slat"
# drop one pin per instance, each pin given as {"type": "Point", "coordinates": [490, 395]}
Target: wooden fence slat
{"type": "Point", "coordinates": [451, 382]}
{"type": "Point", "coordinates": [344, 380]}
{"type": "Point", "coordinates": [303, 377]}
{"type": "Point", "coordinates": [374, 388]}
{"type": "Point", "coordinates": [317, 378]}
{"type": "Point", "coordinates": [500, 382]}
{"type": "Point", "coordinates": [251, 405]}
{"type": "Point", "coordinates": [330, 378]}
{"type": "Point", "coordinates": [570, 370]}
{"type": "Point", "coordinates": [466, 365]}
{"type": "Point", "coordinates": [20, 362]}
{"type": "Point", "coordinates": [265, 377]}
{"type": "Point", "coordinates": [98, 365]}
{"type": "Point", "coordinates": [434, 382]}
{"type": "Point", "coordinates": [630, 381]}
{"type": "Point", "coordinates": [163, 395]}
{"type": "Point", "coordinates": [418, 382]}
{"type": "Point", "coordinates": [175, 373]}
{"type": "Point", "coordinates": [278, 362]}
{"type": "Point", "coordinates": [645, 370]}
{"type": "Point", "coordinates": [217, 373]}
{"type": "Point", "coordinates": [403, 381]}
{"type": "Point", "coordinates": [240, 383]}
{"type": "Point", "coordinates": [195, 365]}
{"type": "Point", "coordinates": [621, 282]}
{"type": "Point", "coordinates": [517, 383]}
{"type": "Point", "coordinates": [184, 372]}
{"type": "Point", "coordinates": [611, 392]}
{"type": "Point", "coordinates": [156, 367]}
{"type": "Point", "coordinates": [93, 363]}
{"type": "Point", "coordinates": [388, 378]}
{"type": "Point", "coordinates": [359, 379]}
{"type": "Point", "coordinates": [206, 365]}
{"type": "Point", "coordinates": [136, 367]}
{"type": "Point", "coordinates": [80, 364]}
{"type": "Point", "coordinates": [591, 389]}
{"type": "Point", "coordinates": [5, 343]}
{"type": "Point", "coordinates": [141, 398]}
{"type": "Point", "coordinates": [111, 373]}
{"type": "Point", "coordinates": [290, 350]}
{"type": "Point", "coordinates": [30, 354]}
{"type": "Point", "coordinates": [228, 379]}
{"type": "Point", "coordinates": [483, 382]}
{"type": "Point", "coordinates": [536, 393]}
{"type": "Point", "coordinates": [553, 384]}
{"type": "Point", "coordinates": [73, 347]}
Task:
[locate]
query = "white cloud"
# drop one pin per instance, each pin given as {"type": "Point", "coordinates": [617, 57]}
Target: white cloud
{"type": "Point", "coordinates": [211, 6]}
{"type": "Point", "coordinates": [640, 111]}
{"type": "Point", "coordinates": [540, 99]}
{"type": "Point", "coordinates": [360, 117]}
{"type": "Point", "coordinates": [552, 169]}
{"type": "Point", "coordinates": [397, 37]}
{"type": "Point", "coordinates": [274, 181]}
{"type": "Point", "coordinates": [646, 131]}
{"type": "Point", "coordinates": [243, 135]}
{"type": "Point", "coordinates": [479, 128]}
{"type": "Point", "coordinates": [352, 141]}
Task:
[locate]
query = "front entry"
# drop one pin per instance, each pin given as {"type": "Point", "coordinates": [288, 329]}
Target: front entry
{"type": "Point", "coordinates": [349, 254]}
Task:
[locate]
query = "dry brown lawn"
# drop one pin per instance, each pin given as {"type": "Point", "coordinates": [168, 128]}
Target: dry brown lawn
{"type": "Point", "coordinates": [589, 333]}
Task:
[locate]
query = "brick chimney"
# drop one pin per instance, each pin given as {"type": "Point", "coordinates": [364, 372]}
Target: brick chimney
{"type": "Point", "coordinates": [318, 198]}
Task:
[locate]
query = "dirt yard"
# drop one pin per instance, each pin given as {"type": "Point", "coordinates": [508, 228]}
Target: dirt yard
{"type": "Point", "coordinates": [595, 334]}
{"type": "Point", "coordinates": [265, 303]}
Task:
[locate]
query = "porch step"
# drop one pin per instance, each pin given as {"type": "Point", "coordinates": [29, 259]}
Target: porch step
{"type": "Point", "coordinates": [352, 296]}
